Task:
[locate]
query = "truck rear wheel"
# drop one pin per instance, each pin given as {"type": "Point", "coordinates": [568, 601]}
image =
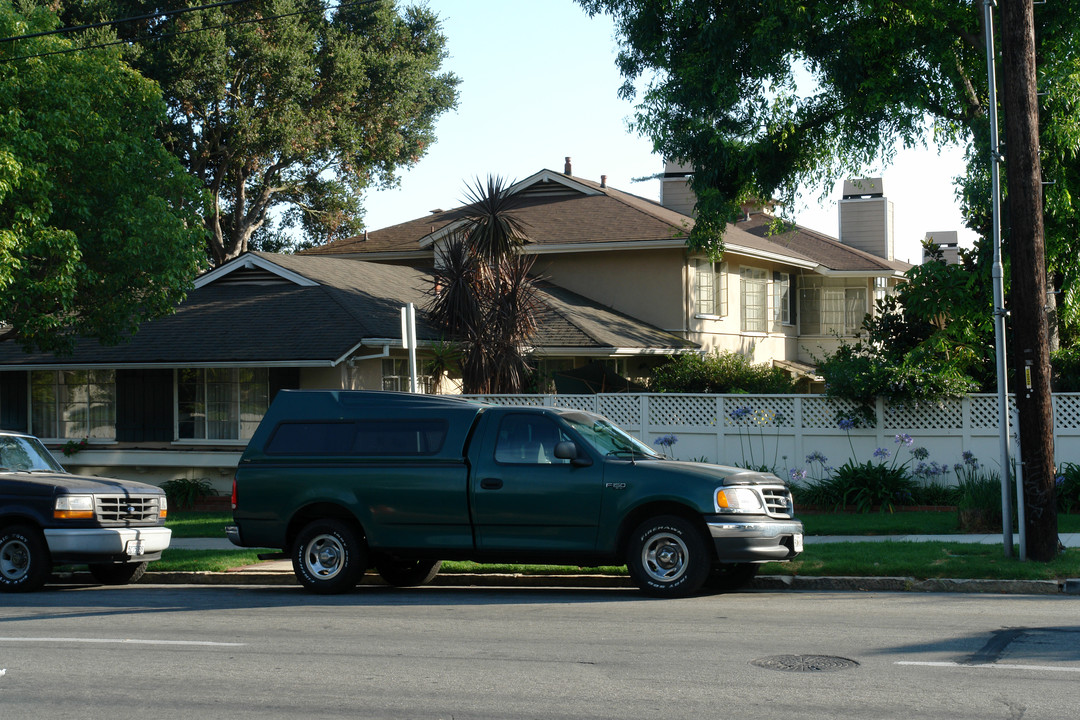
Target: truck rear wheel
{"type": "Point", "coordinates": [329, 557]}
{"type": "Point", "coordinates": [118, 573]}
{"type": "Point", "coordinates": [408, 573]}
{"type": "Point", "coordinates": [667, 557]}
{"type": "Point", "coordinates": [25, 563]}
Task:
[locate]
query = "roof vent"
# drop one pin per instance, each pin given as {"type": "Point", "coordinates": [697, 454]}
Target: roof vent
{"type": "Point", "coordinates": [603, 181]}
{"type": "Point", "coordinates": [566, 168]}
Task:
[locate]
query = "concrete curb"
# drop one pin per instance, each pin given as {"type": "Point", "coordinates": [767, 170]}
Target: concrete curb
{"type": "Point", "coordinates": [774, 583]}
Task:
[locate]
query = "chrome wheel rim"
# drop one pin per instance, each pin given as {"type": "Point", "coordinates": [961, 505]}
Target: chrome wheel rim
{"type": "Point", "coordinates": [14, 560]}
{"type": "Point", "coordinates": [324, 556]}
{"type": "Point", "coordinates": [664, 557]}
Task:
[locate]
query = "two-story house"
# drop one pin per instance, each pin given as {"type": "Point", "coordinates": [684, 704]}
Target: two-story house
{"type": "Point", "coordinates": [182, 397]}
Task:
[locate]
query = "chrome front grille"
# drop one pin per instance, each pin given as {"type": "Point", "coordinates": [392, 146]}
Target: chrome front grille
{"type": "Point", "coordinates": [127, 508]}
{"type": "Point", "coordinates": [777, 501]}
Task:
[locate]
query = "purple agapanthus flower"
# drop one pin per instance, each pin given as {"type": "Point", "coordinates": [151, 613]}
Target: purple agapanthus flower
{"type": "Point", "coordinates": [904, 439]}
{"type": "Point", "coordinates": [882, 454]}
{"type": "Point", "coordinates": [846, 423]}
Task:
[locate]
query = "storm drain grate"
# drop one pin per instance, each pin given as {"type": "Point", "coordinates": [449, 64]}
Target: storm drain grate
{"type": "Point", "coordinates": [804, 663]}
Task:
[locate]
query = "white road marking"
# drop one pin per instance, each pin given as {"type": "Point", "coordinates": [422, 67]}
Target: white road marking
{"type": "Point", "coordinates": [997, 666]}
{"type": "Point", "coordinates": [121, 641]}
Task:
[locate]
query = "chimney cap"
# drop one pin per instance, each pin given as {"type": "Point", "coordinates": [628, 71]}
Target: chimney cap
{"type": "Point", "coordinates": [863, 187]}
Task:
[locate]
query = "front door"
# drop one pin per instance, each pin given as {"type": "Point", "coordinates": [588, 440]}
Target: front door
{"type": "Point", "coordinates": [527, 499]}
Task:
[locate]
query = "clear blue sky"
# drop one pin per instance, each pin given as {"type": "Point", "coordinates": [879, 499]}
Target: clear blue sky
{"type": "Point", "coordinates": [539, 83]}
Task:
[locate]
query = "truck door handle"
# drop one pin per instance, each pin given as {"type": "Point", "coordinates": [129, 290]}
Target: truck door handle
{"type": "Point", "coordinates": [491, 484]}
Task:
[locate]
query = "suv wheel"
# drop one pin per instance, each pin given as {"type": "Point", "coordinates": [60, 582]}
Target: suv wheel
{"type": "Point", "coordinates": [25, 564]}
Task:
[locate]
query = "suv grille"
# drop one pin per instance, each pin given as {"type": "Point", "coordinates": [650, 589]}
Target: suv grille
{"type": "Point", "coordinates": [778, 501]}
{"type": "Point", "coordinates": [127, 508]}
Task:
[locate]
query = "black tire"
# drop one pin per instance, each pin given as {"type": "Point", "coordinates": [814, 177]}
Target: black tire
{"type": "Point", "coordinates": [408, 573]}
{"type": "Point", "coordinates": [667, 557]}
{"type": "Point", "coordinates": [729, 577]}
{"type": "Point", "coordinates": [118, 573]}
{"type": "Point", "coordinates": [329, 557]}
{"type": "Point", "coordinates": [25, 563]}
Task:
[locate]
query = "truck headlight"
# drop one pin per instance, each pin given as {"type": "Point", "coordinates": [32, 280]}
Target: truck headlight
{"type": "Point", "coordinates": [74, 507]}
{"type": "Point", "coordinates": [163, 507]}
{"type": "Point", "coordinates": [738, 500]}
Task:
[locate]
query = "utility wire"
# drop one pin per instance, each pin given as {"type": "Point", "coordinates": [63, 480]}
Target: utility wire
{"type": "Point", "coordinates": [163, 36]}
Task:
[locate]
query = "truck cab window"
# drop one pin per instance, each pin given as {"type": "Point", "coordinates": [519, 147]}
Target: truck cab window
{"type": "Point", "coordinates": [528, 440]}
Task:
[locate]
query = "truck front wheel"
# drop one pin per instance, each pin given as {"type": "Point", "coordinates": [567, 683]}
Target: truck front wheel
{"type": "Point", "coordinates": [24, 559]}
{"type": "Point", "coordinates": [329, 557]}
{"type": "Point", "coordinates": [667, 557]}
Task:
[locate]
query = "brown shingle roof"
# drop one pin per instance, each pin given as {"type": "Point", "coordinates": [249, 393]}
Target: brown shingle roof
{"type": "Point", "coordinates": [562, 210]}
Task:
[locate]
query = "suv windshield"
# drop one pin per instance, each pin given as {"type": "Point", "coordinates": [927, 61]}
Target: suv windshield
{"type": "Point", "coordinates": [607, 438]}
{"type": "Point", "coordinates": [26, 454]}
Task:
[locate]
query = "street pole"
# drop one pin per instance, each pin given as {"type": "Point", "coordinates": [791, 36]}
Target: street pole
{"type": "Point", "coordinates": [999, 296]}
{"type": "Point", "coordinates": [408, 341]}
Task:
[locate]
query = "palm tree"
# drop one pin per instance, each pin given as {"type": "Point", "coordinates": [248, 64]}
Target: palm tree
{"type": "Point", "coordinates": [484, 296]}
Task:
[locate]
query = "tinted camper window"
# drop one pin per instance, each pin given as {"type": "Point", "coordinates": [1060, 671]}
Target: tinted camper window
{"type": "Point", "coordinates": [361, 437]}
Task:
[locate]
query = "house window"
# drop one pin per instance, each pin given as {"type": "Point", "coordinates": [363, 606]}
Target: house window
{"type": "Point", "coordinates": [782, 298]}
{"type": "Point", "coordinates": [73, 404]}
{"type": "Point", "coordinates": [395, 376]}
{"type": "Point", "coordinates": [220, 403]}
{"type": "Point", "coordinates": [754, 299]}
{"type": "Point", "coordinates": [711, 288]}
{"type": "Point", "coordinates": [831, 306]}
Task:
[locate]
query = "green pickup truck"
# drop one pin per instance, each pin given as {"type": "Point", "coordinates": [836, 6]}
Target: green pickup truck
{"type": "Point", "coordinates": [344, 480]}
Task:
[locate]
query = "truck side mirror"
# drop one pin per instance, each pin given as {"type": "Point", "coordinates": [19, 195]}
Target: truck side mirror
{"type": "Point", "coordinates": [567, 450]}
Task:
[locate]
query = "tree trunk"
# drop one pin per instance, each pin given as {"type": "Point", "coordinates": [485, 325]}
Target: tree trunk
{"type": "Point", "coordinates": [1030, 345]}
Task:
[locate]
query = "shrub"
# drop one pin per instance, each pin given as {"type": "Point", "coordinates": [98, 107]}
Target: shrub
{"type": "Point", "coordinates": [182, 493]}
{"type": "Point", "coordinates": [719, 372]}
{"type": "Point", "coordinates": [1068, 488]}
{"type": "Point", "coordinates": [978, 496]}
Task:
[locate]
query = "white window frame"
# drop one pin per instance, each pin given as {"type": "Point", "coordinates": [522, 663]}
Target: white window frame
{"type": "Point", "coordinates": [395, 375]}
{"type": "Point", "coordinates": [217, 417]}
{"type": "Point", "coordinates": [782, 298]}
{"type": "Point", "coordinates": [73, 404]}
{"type": "Point", "coordinates": [841, 305]}
{"type": "Point", "coordinates": [710, 285]}
{"type": "Point", "coordinates": [753, 300]}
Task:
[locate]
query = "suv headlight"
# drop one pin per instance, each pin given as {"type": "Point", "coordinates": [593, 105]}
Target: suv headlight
{"type": "Point", "coordinates": [738, 500]}
{"type": "Point", "coordinates": [74, 507]}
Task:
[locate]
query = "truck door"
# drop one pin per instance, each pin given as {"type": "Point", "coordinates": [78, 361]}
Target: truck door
{"type": "Point", "coordinates": [524, 498]}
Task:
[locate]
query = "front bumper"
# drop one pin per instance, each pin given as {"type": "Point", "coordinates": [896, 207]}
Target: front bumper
{"type": "Point", "coordinates": [755, 539]}
{"type": "Point", "coordinates": [107, 544]}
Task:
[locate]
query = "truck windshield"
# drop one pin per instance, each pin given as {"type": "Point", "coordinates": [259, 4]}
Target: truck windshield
{"type": "Point", "coordinates": [25, 454]}
{"type": "Point", "coordinates": [607, 438]}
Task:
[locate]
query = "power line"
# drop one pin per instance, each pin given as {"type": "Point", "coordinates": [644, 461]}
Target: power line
{"type": "Point", "coordinates": [181, 32]}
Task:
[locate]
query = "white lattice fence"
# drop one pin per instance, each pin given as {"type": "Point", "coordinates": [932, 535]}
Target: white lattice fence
{"type": "Point", "coordinates": [720, 427]}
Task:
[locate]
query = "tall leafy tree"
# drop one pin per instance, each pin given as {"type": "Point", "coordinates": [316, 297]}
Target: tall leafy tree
{"type": "Point", "coordinates": [720, 89]}
{"type": "Point", "coordinates": [288, 108]}
{"type": "Point", "coordinates": [99, 223]}
{"type": "Point", "coordinates": [484, 296]}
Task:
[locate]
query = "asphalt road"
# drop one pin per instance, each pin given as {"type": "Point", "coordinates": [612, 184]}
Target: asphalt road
{"type": "Point", "coordinates": [190, 652]}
